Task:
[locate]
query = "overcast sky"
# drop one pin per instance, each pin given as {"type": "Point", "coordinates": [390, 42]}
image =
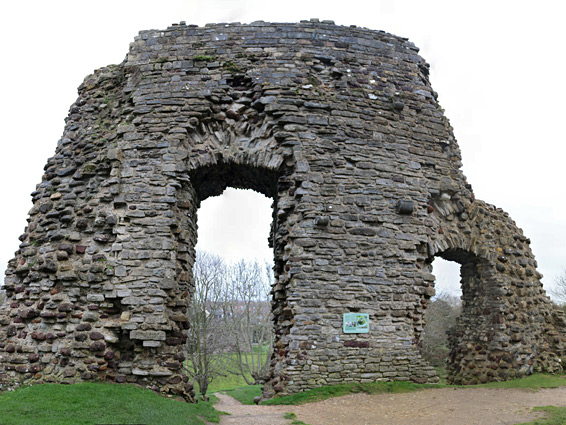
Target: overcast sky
{"type": "Point", "coordinates": [498, 67]}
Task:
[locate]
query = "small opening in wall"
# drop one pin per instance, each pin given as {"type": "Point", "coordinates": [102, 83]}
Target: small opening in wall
{"type": "Point", "coordinates": [442, 312]}
{"type": "Point", "coordinates": [239, 82]}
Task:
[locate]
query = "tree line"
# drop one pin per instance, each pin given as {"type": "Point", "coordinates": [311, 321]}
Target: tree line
{"type": "Point", "coordinates": [231, 328]}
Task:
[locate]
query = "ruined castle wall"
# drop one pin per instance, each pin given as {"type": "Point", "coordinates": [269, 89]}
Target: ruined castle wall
{"type": "Point", "coordinates": [341, 128]}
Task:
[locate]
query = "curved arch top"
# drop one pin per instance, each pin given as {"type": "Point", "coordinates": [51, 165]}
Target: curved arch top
{"type": "Point", "coordinates": [341, 128]}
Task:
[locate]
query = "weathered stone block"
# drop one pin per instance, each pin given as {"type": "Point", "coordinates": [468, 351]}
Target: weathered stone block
{"type": "Point", "coordinates": [95, 297]}
{"type": "Point", "coordinates": [148, 335]}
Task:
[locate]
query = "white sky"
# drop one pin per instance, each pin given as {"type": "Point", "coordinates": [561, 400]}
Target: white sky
{"type": "Point", "coordinates": [497, 65]}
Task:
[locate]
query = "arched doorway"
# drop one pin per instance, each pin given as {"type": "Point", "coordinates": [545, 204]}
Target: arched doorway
{"type": "Point", "coordinates": [443, 310]}
{"type": "Point", "coordinates": [231, 333]}
{"type": "Point", "coordinates": [478, 301]}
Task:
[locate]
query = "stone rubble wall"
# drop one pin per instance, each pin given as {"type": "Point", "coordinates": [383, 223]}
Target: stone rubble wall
{"type": "Point", "coordinates": [341, 128]}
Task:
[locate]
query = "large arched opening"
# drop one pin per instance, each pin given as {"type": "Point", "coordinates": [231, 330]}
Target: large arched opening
{"type": "Point", "coordinates": [478, 321]}
{"type": "Point", "coordinates": [230, 340]}
{"type": "Point", "coordinates": [241, 281]}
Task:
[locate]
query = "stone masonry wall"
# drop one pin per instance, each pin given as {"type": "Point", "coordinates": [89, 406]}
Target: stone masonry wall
{"type": "Point", "coordinates": [341, 128]}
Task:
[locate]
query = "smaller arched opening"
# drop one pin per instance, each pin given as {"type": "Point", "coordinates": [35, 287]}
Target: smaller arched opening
{"type": "Point", "coordinates": [480, 322]}
{"type": "Point", "coordinates": [459, 312]}
{"type": "Point", "coordinates": [443, 310]}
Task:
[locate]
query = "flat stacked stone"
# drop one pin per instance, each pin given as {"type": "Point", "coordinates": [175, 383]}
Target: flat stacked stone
{"type": "Point", "coordinates": [341, 128]}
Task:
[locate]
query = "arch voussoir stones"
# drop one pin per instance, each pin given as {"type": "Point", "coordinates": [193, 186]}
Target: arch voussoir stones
{"type": "Point", "coordinates": [341, 128]}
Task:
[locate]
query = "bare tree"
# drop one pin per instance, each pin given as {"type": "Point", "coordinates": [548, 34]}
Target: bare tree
{"type": "Point", "coordinates": [230, 321]}
{"type": "Point", "coordinates": [440, 316]}
{"type": "Point", "coordinates": [248, 316]}
{"type": "Point", "coordinates": [559, 290]}
{"type": "Point", "coordinates": [207, 336]}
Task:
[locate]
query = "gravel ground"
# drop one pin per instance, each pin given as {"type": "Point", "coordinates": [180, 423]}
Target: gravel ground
{"type": "Point", "coordinates": [241, 414]}
{"type": "Point", "coordinates": [446, 406]}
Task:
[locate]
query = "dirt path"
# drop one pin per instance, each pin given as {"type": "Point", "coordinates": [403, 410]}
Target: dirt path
{"type": "Point", "coordinates": [446, 406]}
{"type": "Point", "coordinates": [241, 414]}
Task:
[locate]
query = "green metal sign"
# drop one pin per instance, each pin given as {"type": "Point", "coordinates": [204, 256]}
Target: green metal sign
{"type": "Point", "coordinates": [356, 323]}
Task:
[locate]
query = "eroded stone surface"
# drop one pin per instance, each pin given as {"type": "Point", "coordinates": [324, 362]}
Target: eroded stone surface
{"type": "Point", "coordinates": [341, 128]}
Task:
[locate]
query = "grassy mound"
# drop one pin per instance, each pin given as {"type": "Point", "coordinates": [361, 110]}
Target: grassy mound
{"type": "Point", "coordinates": [98, 403]}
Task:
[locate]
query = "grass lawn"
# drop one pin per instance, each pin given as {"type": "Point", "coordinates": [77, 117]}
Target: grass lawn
{"type": "Point", "coordinates": [230, 374]}
{"type": "Point", "coordinates": [555, 416]}
{"type": "Point", "coordinates": [245, 394]}
{"type": "Point", "coordinates": [98, 403]}
{"type": "Point", "coordinates": [228, 382]}
{"type": "Point", "coordinates": [535, 381]}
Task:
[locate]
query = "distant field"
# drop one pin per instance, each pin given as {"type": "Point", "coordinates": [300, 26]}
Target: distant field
{"type": "Point", "coordinates": [230, 376]}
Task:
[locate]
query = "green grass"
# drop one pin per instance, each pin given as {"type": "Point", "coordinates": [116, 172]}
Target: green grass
{"type": "Point", "coordinates": [205, 58]}
{"type": "Point", "coordinates": [245, 394]}
{"type": "Point", "coordinates": [230, 377]}
{"type": "Point", "coordinates": [442, 374]}
{"type": "Point", "coordinates": [535, 381]}
{"type": "Point", "coordinates": [556, 416]}
{"type": "Point", "coordinates": [291, 416]}
{"type": "Point", "coordinates": [223, 383]}
{"type": "Point", "coordinates": [98, 403]}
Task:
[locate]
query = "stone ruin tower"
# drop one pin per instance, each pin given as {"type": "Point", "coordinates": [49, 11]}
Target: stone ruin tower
{"type": "Point", "coordinates": [341, 128]}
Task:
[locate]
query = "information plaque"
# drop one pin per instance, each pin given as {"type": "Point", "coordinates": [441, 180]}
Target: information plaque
{"type": "Point", "coordinates": [356, 323]}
